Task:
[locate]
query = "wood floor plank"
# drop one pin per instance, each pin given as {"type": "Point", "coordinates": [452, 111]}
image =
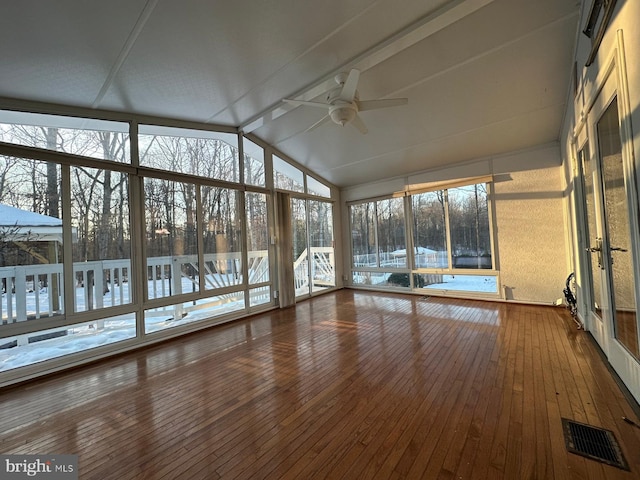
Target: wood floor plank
{"type": "Point", "coordinates": [491, 456]}
{"type": "Point", "coordinates": [346, 385]}
{"type": "Point", "coordinates": [540, 436]}
{"type": "Point", "coordinates": [421, 398]}
{"type": "Point", "coordinates": [437, 400]}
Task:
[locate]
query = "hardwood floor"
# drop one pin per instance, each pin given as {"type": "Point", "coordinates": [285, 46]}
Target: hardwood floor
{"type": "Point", "coordinates": [351, 385]}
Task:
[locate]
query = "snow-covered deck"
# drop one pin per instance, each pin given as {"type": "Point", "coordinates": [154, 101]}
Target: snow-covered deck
{"type": "Point", "coordinates": [27, 297]}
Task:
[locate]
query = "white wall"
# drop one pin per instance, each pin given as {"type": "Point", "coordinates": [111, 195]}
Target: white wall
{"type": "Point", "coordinates": [528, 215]}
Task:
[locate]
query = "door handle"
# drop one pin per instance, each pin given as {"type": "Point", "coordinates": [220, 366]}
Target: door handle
{"type": "Point", "coordinates": [597, 249]}
{"type": "Point", "coordinates": [618, 249]}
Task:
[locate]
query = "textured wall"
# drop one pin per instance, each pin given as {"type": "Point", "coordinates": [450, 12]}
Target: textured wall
{"type": "Point", "coordinates": [531, 238]}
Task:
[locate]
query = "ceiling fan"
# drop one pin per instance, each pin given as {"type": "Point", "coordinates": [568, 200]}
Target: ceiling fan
{"type": "Point", "coordinates": [344, 103]}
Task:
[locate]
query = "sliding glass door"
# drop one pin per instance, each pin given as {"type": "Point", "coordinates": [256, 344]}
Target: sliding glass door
{"type": "Point", "coordinates": [300, 244]}
{"type": "Point", "coordinates": [321, 242]}
{"type": "Point", "coordinates": [313, 245]}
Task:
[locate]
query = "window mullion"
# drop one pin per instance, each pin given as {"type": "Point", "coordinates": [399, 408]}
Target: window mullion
{"type": "Point", "coordinates": [67, 244]}
{"type": "Point", "coordinates": [490, 207]}
{"type": "Point", "coordinates": [408, 233]}
{"type": "Point", "coordinates": [200, 239]}
{"type": "Point", "coordinates": [375, 237]}
{"type": "Point", "coordinates": [445, 196]}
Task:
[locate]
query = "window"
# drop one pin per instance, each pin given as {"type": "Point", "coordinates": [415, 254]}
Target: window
{"type": "Point", "coordinates": [257, 238]}
{"type": "Point", "coordinates": [100, 139]}
{"type": "Point", "coordinates": [194, 152]}
{"type": "Point", "coordinates": [222, 237]}
{"type": "Point", "coordinates": [31, 241]}
{"type": "Point", "coordinates": [380, 278]}
{"type": "Point", "coordinates": [391, 233]}
{"type": "Point", "coordinates": [286, 176]}
{"type": "Point", "coordinates": [457, 283]}
{"type": "Point", "coordinates": [172, 242]}
{"type": "Point", "coordinates": [184, 313]}
{"type": "Point", "coordinates": [469, 227]}
{"type": "Point", "coordinates": [102, 245]}
{"type": "Point", "coordinates": [316, 187]}
{"type": "Point", "coordinates": [70, 229]}
{"type": "Point", "coordinates": [378, 234]}
{"type": "Point", "coordinates": [430, 230]}
{"type": "Point", "coordinates": [363, 235]}
{"type": "Point", "coordinates": [23, 350]}
{"type": "Point", "coordinates": [212, 279]}
{"type": "Point", "coordinates": [253, 163]}
{"type": "Point", "coordinates": [451, 237]}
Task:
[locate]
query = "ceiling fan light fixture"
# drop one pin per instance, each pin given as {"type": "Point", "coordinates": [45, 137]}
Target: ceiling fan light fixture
{"type": "Point", "coordinates": [342, 114]}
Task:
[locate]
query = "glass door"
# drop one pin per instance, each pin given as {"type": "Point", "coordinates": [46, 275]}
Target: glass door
{"type": "Point", "coordinates": [609, 197]}
{"type": "Point", "coordinates": [323, 267]}
{"type": "Point", "coordinates": [300, 250]}
{"type": "Point", "coordinates": [615, 248]}
{"type": "Point", "coordinates": [592, 235]}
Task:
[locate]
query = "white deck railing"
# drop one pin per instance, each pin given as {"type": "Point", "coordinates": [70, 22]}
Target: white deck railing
{"type": "Point", "coordinates": [30, 291]}
{"type": "Point", "coordinates": [37, 291]}
{"type": "Point", "coordinates": [323, 269]}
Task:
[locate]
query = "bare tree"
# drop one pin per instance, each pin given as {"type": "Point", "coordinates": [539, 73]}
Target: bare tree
{"type": "Point", "coordinates": [83, 186]}
{"type": "Point", "coordinates": [5, 170]}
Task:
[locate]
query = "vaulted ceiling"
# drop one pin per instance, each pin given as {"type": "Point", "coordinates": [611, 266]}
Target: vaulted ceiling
{"type": "Point", "coordinates": [483, 77]}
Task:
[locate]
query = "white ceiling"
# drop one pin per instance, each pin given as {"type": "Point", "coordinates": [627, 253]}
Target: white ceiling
{"type": "Point", "coordinates": [483, 77]}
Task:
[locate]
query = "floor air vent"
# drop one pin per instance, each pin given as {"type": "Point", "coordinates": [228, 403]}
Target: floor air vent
{"type": "Point", "coordinates": [594, 443]}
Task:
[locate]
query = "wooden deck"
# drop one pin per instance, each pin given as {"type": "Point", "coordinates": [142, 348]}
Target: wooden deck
{"type": "Point", "coordinates": [351, 385]}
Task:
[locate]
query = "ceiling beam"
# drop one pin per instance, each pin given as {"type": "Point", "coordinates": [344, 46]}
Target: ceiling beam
{"type": "Point", "coordinates": [126, 49]}
{"type": "Point", "coordinates": [405, 38]}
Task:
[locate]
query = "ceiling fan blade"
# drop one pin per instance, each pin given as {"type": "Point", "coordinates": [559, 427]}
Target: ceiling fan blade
{"type": "Point", "coordinates": [298, 103]}
{"type": "Point", "coordinates": [359, 124]}
{"type": "Point", "coordinates": [348, 91]}
{"type": "Point", "coordinates": [384, 103]}
{"type": "Point", "coordinates": [322, 121]}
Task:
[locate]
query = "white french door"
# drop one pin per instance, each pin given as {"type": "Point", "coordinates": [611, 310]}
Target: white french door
{"type": "Point", "coordinates": [610, 205]}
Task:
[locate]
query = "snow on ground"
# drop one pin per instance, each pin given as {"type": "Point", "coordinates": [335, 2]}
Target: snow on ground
{"type": "Point", "coordinates": [460, 283]}
{"type": "Point", "coordinates": [111, 330]}
{"type": "Point", "coordinates": [466, 283]}
{"type": "Point", "coordinates": [87, 336]}
{"type": "Point", "coordinates": [78, 338]}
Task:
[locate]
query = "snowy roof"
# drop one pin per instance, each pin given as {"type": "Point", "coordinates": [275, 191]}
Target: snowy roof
{"type": "Point", "coordinates": [12, 217]}
{"type": "Point", "coordinates": [26, 226]}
